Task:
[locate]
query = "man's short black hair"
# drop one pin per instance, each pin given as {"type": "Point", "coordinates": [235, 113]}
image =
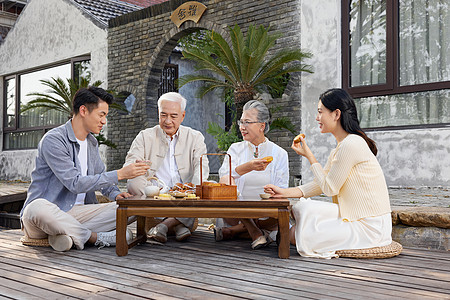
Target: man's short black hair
{"type": "Point", "coordinates": [90, 97]}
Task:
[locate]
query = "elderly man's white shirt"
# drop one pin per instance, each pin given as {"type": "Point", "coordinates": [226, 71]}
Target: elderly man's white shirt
{"type": "Point", "coordinates": [168, 171]}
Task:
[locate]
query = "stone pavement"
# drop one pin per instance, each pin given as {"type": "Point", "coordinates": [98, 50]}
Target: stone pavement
{"type": "Point", "coordinates": [420, 216]}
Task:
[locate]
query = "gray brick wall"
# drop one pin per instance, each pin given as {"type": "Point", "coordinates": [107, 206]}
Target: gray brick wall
{"type": "Point", "coordinates": [140, 43]}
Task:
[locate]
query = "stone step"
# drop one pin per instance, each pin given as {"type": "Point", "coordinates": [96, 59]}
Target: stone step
{"type": "Point", "coordinates": [421, 216]}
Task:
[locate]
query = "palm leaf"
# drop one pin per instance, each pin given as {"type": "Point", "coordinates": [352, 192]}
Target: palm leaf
{"type": "Point", "coordinates": [46, 106]}
{"type": "Point", "coordinates": [239, 51]}
{"type": "Point", "coordinates": [206, 62]}
{"type": "Point", "coordinates": [203, 90]}
{"type": "Point", "coordinates": [282, 123]}
{"type": "Point", "coordinates": [224, 53]}
{"type": "Point", "coordinates": [48, 102]}
{"type": "Point", "coordinates": [276, 63]}
{"type": "Point", "coordinates": [259, 44]}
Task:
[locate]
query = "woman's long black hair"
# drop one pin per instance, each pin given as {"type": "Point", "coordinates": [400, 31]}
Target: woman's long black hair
{"type": "Point", "coordinates": [339, 99]}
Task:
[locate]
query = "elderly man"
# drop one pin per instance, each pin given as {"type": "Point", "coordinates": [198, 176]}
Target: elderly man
{"type": "Point", "coordinates": [174, 152]}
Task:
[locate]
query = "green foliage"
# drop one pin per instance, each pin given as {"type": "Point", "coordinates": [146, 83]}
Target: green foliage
{"type": "Point", "coordinates": [199, 39]}
{"type": "Point", "coordinates": [60, 96]}
{"type": "Point", "coordinates": [281, 83]}
{"type": "Point", "coordinates": [102, 140]}
{"type": "Point", "coordinates": [282, 123]}
{"type": "Point", "coordinates": [224, 138]}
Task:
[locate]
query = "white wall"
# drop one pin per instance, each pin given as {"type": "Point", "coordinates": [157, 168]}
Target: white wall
{"type": "Point", "coordinates": [48, 31]}
{"type": "Point", "coordinates": [409, 158]}
{"type": "Point", "coordinates": [320, 26]}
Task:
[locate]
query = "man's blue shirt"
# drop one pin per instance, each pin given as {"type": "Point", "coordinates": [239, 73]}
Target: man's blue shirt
{"type": "Point", "coordinates": [57, 175]}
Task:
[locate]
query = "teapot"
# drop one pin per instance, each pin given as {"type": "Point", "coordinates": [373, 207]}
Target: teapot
{"type": "Point", "coordinates": [154, 190]}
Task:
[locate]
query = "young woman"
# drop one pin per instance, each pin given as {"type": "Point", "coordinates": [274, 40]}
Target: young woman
{"type": "Point", "coordinates": [359, 216]}
{"type": "Point", "coordinates": [250, 171]}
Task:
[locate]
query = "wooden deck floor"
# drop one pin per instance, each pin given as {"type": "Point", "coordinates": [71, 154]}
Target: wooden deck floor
{"type": "Point", "coordinates": [204, 269]}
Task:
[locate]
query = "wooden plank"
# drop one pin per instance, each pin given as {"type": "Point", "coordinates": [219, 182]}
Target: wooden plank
{"type": "Point", "coordinates": [232, 268]}
{"type": "Point", "coordinates": [17, 290]}
{"type": "Point", "coordinates": [219, 276]}
{"type": "Point", "coordinates": [80, 277]}
{"type": "Point", "coordinates": [49, 282]}
{"type": "Point", "coordinates": [306, 272]}
{"type": "Point", "coordinates": [122, 273]}
{"type": "Point", "coordinates": [12, 197]}
{"type": "Point", "coordinates": [442, 276]}
{"type": "Point", "coordinates": [167, 285]}
{"type": "Point", "coordinates": [101, 259]}
{"type": "Point", "coordinates": [353, 261]}
{"type": "Point", "coordinates": [370, 263]}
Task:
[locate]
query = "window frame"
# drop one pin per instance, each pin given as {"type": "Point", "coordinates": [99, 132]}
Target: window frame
{"type": "Point", "coordinates": [17, 76]}
{"type": "Point", "coordinates": [392, 86]}
{"type": "Point", "coordinates": [163, 80]}
{"type": "Point", "coordinates": [5, 110]}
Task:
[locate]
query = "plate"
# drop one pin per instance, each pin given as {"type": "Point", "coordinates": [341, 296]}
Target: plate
{"type": "Point", "coordinates": [178, 194]}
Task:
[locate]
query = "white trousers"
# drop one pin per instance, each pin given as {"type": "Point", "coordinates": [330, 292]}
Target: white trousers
{"type": "Point", "coordinates": [42, 218]}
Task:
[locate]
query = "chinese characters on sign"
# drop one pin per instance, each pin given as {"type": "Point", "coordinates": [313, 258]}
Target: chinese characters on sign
{"type": "Point", "coordinates": [191, 10]}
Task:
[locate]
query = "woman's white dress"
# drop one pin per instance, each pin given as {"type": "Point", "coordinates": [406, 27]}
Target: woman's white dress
{"type": "Point", "coordinates": [320, 232]}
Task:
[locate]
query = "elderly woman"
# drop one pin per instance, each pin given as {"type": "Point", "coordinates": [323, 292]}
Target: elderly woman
{"type": "Point", "coordinates": [359, 216]}
{"type": "Point", "coordinates": [250, 171]}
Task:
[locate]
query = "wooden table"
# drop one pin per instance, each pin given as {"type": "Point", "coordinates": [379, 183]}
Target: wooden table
{"type": "Point", "coordinates": [142, 207]}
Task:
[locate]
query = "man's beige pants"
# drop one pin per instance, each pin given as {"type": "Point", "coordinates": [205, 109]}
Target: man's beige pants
{"type": "Point", "coordinates": [42, 218]}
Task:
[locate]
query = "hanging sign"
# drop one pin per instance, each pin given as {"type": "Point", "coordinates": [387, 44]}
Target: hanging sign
{"type": "Point", "coordinates": [191, 10]}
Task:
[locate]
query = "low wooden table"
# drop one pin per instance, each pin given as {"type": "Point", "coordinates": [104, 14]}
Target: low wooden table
{"type": "Point", "coordinates": [247, 208]}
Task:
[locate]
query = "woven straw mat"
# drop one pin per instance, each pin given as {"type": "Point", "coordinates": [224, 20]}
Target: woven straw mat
{"type": "Point", "coordinates": [34, 242]}
{"type": "Point", "coordinates": [391, 250]}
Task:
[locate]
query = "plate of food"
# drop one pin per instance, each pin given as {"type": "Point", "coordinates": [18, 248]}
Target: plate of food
{"type": "Point", "coordinates": [178, 194]}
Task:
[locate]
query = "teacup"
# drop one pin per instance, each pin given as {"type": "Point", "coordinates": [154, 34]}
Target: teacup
{"type": "Point", "coordinates": [265, 195]}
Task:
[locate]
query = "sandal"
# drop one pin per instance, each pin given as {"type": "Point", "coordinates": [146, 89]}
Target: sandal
{"type": "Point", "coordinates": [262, 241]}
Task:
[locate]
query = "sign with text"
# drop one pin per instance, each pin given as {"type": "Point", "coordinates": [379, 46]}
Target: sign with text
{"type": "Point", "coordinates": [191, 10]}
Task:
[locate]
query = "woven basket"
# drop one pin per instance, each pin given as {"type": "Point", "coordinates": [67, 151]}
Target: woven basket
{"type": "Point", "coordinates": [34, 242]}
{"type": "Point", "coordinates": [391, 250]}
{"type": "Point", "coordinates": [151, 222]}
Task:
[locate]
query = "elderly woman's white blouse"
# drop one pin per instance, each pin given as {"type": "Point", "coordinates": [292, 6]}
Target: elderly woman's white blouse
{"type": "Point", "coordinates": [277, 172]}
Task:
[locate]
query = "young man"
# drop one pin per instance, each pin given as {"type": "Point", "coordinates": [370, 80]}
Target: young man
{"type": "Point", "coordinates": [61, 201]}
{"type": "Point", "coordinates": [174, 152]}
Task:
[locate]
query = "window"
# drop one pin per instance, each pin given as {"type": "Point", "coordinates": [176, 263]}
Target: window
{"type": "Point", "coordinates": [23, 130]}
{"type": "Point", "coordinates": [10, 97]}
{"type": "Point", "coordinates": [167, 82]}
{"type": "Point", "coordinates": [396, 61]}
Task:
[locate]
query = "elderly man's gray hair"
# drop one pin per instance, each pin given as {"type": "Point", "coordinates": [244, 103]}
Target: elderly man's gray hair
{"type": "Point", "coordinates": [263, 112]}
{"type": "Point", "coordinates": [172, 96]}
